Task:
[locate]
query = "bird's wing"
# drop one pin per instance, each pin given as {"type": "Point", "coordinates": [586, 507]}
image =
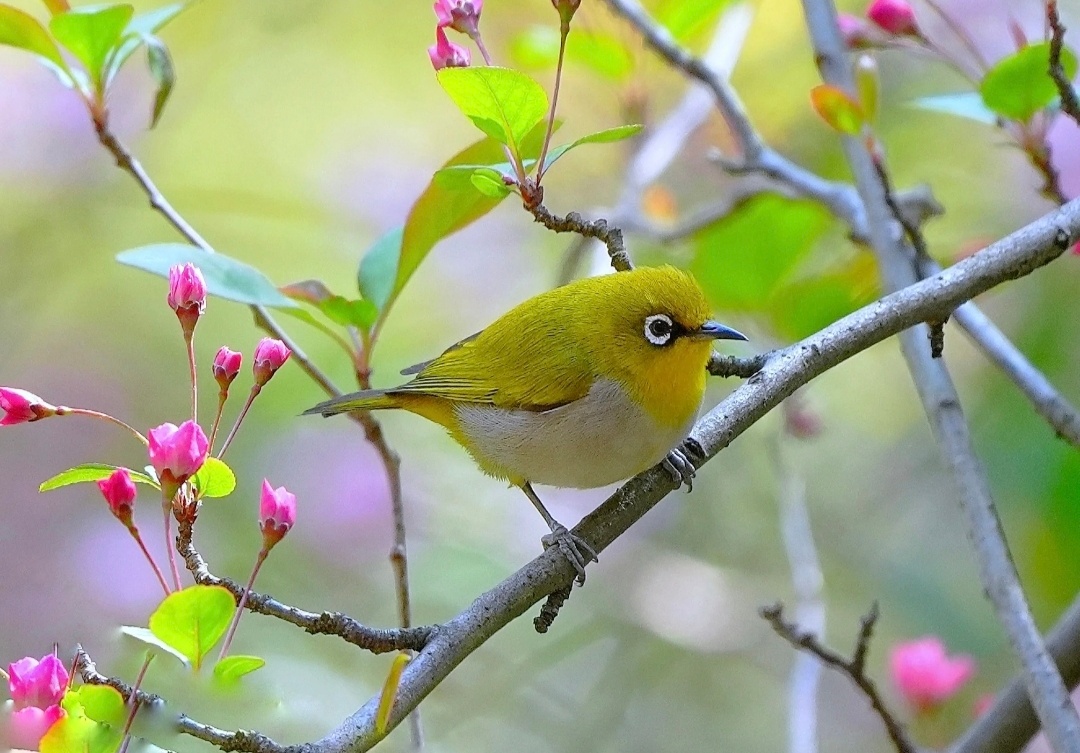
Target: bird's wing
{"type": "Point", "coordinates": [513, 372]}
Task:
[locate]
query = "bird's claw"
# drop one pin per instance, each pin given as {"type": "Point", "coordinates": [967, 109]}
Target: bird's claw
{"type": "Point", "coordinates": [574, 548]}
{"type": "Point", "coordinates": [679, 465]}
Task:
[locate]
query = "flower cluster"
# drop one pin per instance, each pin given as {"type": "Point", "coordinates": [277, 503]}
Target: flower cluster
{"type": "Point", "coordinates": [462, 16]}
{"type": "Point", "coordinates": [36, 689]}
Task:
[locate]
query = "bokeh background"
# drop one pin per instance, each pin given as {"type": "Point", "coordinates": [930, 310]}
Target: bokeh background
{"type": "Point", "coordinates": [298, 133]}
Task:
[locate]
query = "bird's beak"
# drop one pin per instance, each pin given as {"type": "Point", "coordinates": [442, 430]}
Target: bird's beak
{"type": "Point", "coordinates": [716, 331]}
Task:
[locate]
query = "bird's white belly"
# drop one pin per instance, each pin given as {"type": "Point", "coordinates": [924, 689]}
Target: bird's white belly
{"type": "Point", "coordinates": [602, 438]}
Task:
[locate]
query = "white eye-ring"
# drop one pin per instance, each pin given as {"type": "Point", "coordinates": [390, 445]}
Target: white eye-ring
{"type": "Point", "coordinates": [658, 329]}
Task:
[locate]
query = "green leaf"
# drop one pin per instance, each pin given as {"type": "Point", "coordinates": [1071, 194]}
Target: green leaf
{"type": "Point", "coordinates": [230, 669]}
{"type": "Point", "coordinates": [144, 635]}
{"type": "Point", "coordinates": [92, 472]}
{"type": "Point", "coordinates": [340, 310]}
{"type": "Point", "coordinates": [605, 54]}
{"type": "Point", "coordinates": [91, 34]}
{"type": "Point", "coordinates": [193, 620]}
{"type": "Point", "coordinates": [837, 109]}
{"type": "Point", "coordinates": [21, 30]}
{"type": "Point", "coordinates": [75, 732]}
{"type": "Point", "coordinates": [161, 68]}
{"type": "Point", "coordinates": [684, 18]}
{"type": "Point", "coordinates": [214, 479]}
{"type": "Point", "coordinates": [378, 269]}
{"type": "Point", "coordinates": [1019, 86]}
{"type": "Point", "coordinates": [744, 258]}
{"type": "Point", "coordinates": [961, 104]}
{"type": "Point", "coordinates": [490, 183]}
{"type": "Point", "coordinates": [102, 703]}
{"type": "Point", "coordinates": [607, 136]}
{"type": "Point", "coordinates": [225, 277]}
{"type": "Point", "coordinates": [141, 26]}
{"type": "Point", "coordinates": [505, 104]}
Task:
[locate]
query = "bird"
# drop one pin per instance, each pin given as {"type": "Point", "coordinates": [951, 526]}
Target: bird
{"type": "Point", "coordinates": [579, 387]}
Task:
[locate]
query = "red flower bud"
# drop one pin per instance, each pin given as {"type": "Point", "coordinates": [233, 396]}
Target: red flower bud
{"type": "Point", "coordinates": [226, 367]}
{"type": "Point", "coordinates": [925, 675]}
{"type": "Point", "coordinates": [187, 295]}
{"type": "Point", "coordinates": [894, 16]}
{"type": "Point", "coordinates": [37, 683]}
{"type": "Point", "coordinates": [446, 54]}
{"type": "Point", "coordinates": [459, 15]}
{"type": "Point", "coordinates": [270, 355]}
{"type": "Point", "coordinates": [277, 513]}
{"type": "Point", "coordinates": [119, 491]}
{"type": "Point", "coordinates": [177, 452]}
{"type": "Point", "coordinates": [20, 406]}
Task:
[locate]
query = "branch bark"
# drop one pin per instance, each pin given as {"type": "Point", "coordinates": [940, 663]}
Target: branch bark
{"type": "Point", "coordinates": [784, 371]}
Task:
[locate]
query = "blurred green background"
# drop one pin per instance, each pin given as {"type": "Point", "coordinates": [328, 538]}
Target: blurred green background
{"type": "Point", "coordinates": [298, 133]}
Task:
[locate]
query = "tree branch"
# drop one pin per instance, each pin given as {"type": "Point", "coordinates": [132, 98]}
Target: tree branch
{"type": "Point", "coordinates": [784, 371]}
{"type": "Point", "coordinates": [942, 405]}
{"type": "Point", "coordinates": [1070, 103]}
{"type": "Point", "coordinates": [852, 668]}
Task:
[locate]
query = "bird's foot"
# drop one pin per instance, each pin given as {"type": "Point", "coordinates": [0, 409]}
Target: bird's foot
{"type": "Point", "coordinates": [573, 547]}
{"type": "Point", "coordinates": [679, 465]}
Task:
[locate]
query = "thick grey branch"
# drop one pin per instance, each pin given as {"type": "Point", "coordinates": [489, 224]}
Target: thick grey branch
{"type": "Point", "coordinates": [785, 371]}
{"type": "Point", "coordinates": [942, 405]}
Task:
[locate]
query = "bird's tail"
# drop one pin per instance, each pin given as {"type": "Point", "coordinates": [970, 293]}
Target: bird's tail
{"type": "Point", "coordinates": [363, 400]}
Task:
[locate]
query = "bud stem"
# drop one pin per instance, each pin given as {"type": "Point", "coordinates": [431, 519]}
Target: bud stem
{"type": "Point", "coordinates": [255, 390]}
{"type": "Point", "coordinates": [564, 32]}
{"type": "Point", "coordinates": [223, 395]}
{"type": "Point", "coordinates": [167, 506]}
{"type": "Point", "coordinates": [189, 341]}
{"type": "Point", "coordinates": [240, 606]}
{"type": "Point", "coordinates": [65, 411]}
{"type": "Point", "coordinates": [134, 531]}
{"type": "Point", "coordinates": [479, 42]}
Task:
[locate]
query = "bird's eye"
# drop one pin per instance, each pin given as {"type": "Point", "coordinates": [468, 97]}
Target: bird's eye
{"type": "Point", "coordinates": [658, 329]}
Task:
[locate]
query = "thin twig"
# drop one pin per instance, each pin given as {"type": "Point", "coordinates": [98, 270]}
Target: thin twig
{"type": "Point", "coordinates": [600, 229]}
{"type": "Point", "coordinates": [961, 34]}
{"type": "Point", "coordinates": [375, 640]}
{"type": "Point", "coordinates": [851, 668]}
{"type": "Point", "coordinates": [1070, 103]}
{"type": "Point", "coordinates": [950, 428]}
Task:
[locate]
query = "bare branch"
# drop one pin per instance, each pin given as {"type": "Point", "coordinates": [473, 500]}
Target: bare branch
{"type": "Point", "coordinates": [600, 229]}
{"type": "Point", "coordinates": [1070, 103]}
{"type": "Point", "coordinates": [783, 372]}
{"type": "Point", "coordinates": [851, 668]}
{"type": "Point", "coordinates": [942, 405]}
{"type": "Point", "coordinates": [375, 640]}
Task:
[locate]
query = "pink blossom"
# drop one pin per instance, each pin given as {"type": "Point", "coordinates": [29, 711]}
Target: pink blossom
{"type": "Point", "coordinates": [20, 406]}
{"type": "Point", "coordinates": [925, 675]}
{"type": "Point", "coordinates": [177, 452]}
{"type": "Point", "coordinates": [270, 355]}
{"type": "Point", "coordinates": [27, 726]}
{"type": "Point", "coordinates": [459, 15]}
{"type": "Point", "coordinates": [894, 16]}
{"type": "Point", "coordinates": [37, 683]}
{"type": "Point", "coordinates": [226, 367]}
{"type": "Point", "coordinates": [446, 54]}
{"type": "Point", "coordinates": [277, 513]}
{"type": "Point", "coordinates": [187, 288]}
{"type": "Point", "coordinates": [119, 492]}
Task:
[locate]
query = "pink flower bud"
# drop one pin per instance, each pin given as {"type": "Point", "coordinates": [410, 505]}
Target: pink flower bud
{"type": "Point", "coordinates": [27, 726]}
{"type": "Point", "coordinates": [855, 32]}
{"type": "Point", "coordinates": [20, 406]}
{"type": "Point", "coordinates": [277, 513]}
{"type": "Point", "coordinates": [270, 355]}
{"type": "Point", "coordinates": [37, 683]}
{"type": "Point", "coordinates": [459, 15]}
{"type": "Point", "coordinates": [894, 16]}
{"type": "Point", "coordinates": [187, 295]}
{"type": "Point", "coordinates": [226, 367]}
{"type": "Point", "coordinates": [119, 491]}
{"type": "Point", "coordinates": [925, 675]}
{"type": "Point", "coordinates": [177, 452]}
{"type": "Point", "coordinates": [446, 54]}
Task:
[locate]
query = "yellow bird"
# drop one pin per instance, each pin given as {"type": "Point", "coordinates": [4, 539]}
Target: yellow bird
{"type": "Point", "coordinates": [581, 386]}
